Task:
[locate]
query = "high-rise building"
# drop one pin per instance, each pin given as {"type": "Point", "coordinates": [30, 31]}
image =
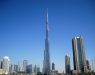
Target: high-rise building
{"type": "Point", "coordinates": [35, 69]}
{"type": "Point", "coordinates": [6, 63]}
{"type": "Point", "coordinates": [16, 68]}
{"type": "Point", "coordinates": [79, 56]}
{"type": "Point", "coordinates": [29, 69]}
{"type": "Point", "coordinates": [38, 69]}
{"type": "Point", "coordinates": [1, 64]}
{"type": "Point", "coordinates": [46, 61]}
{"type": "Point", "coordinates": [53, 66]}
{"type": "Point", "coordinates": [67, 64]}
{"type": "Point", "coordinates": [93, 65]}
{"type": "Point", "coordinates": [25, 63]}
{"type": "Point", "coordinates": [20, 67]}
{"type": "Point", "coordinates": [88, 65]}
{"type": "Point", "coordinates": [11, 68]}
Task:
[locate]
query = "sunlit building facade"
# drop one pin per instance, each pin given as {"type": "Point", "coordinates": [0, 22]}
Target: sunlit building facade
{"type": "Point", "coordinates": [79, 57]}
{"type": "Point", "coordinates": [25, 63]}
{"type": "Point", "coordinates": [6, 64]}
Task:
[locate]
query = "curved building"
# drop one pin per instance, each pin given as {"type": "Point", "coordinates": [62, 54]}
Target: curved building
{"type": "Point", "coordinates": [79, 56]}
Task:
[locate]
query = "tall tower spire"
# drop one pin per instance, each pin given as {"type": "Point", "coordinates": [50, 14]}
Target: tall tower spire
{"type": "Point", "coordinates": [46, 62]}
{"type": "Point", "coordinates": [47, 29]}
{"type": "Point", "coordinates": [47, 16]}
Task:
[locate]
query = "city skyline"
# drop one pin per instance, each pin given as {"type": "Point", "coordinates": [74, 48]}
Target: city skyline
{"type": "Point", "coordinates": [22, 30]}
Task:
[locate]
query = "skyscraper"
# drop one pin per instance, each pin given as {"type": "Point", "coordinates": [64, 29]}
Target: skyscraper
{"type": "Point", "coordinates": [11, 68]}
{"type": "Point", "coordinates": [35, 69]}
{"type": "Point", "coordinates": [38, 69]}
{"type": "Point", "coordinates": [29, 69]}
{"type": "Point", "coordinates": [79, 56]}
{"type": "Point", "coordinates": [1, 64]}
{"type": "Point", "coordinates": [6, 64]}
{"type": "Point", "coordinates": [53, 66]}
{"type": "Point", "coordinates": [88, 65]}
{"type": "Point", "coordinates": [67, 64]}
{"type": "Point", "coordinates": [46, 61]}
{"type": "Point", "coordinates": [25, 63]}
{"type": "Point", "coordinates": [15, 68]}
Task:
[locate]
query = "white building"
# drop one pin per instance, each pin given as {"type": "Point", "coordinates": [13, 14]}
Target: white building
{"type": "Point", "coordinates": [25, 63]}
{"type": "Point", "coordinates": [6, 64]}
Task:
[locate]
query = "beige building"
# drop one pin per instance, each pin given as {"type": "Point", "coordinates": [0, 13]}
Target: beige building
{"type": "Point", "coordinates": [1, 71]}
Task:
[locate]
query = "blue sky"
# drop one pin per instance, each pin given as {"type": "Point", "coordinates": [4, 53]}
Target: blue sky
{"type": "Point", "coordinates": [22, 29]}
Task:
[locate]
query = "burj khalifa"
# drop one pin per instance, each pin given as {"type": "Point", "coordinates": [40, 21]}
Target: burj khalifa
{"type": "Point", "coordinates": [46, 61]}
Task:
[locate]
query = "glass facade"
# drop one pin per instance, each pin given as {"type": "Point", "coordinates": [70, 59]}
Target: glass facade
{"type": "Point", "coordinates": [79, 57]}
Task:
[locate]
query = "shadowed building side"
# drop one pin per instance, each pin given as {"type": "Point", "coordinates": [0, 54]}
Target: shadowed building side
{"type": "Point", "coordinates": [67, 65]}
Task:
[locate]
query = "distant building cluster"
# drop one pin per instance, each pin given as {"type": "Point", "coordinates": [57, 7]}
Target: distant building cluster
{"type": "Point", "coordinates": [6, 67]}
{"type": "Point", "coordinates": [81, 64]}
